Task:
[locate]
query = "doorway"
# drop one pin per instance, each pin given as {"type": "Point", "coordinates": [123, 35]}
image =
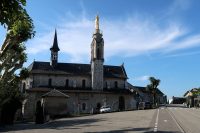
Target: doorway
{"type": "Point", "coordinates": [121, 103]}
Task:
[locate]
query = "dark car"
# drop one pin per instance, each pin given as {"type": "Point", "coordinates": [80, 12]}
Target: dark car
{"type": "Point", "coordinates": [147, 105]}
{"type": "Point", "coordinates": [144, 105]}
{"type": "Point", "coordinates": [141, 105]}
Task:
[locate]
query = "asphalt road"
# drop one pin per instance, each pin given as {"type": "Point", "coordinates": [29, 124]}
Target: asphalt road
{"type": "Point", "coordinates": [119, 122]}
{"type": "Point", "coordinates": [187, 118]}
{"type": "Point", "coordinates": [171, 119]}
{"type": "Point", "coordinates": [177, 119]}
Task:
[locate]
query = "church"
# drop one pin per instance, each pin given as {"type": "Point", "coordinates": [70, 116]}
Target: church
{"type": "Point", "coordinates": [72, 88]}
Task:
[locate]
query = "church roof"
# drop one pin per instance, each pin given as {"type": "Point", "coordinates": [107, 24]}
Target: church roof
{"type": "Point", "coordinates": [76, 69]}
{"type": "Point", "coordinates": [55, 43]}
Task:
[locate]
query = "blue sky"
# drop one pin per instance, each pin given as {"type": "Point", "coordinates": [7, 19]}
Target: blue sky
{"type": "Point", "coordinates": [159, 38]}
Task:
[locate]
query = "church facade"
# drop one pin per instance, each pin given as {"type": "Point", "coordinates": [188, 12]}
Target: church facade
{"type": "Point", "coordinates": [71, 88]}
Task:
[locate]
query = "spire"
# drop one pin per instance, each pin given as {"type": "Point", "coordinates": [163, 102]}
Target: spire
{"type": "Point", "coordinates": [97, 22]}
{"type": "Point", "coordinates": [55, 43]}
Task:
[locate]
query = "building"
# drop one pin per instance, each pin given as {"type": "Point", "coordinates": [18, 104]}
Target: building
{"type": "Point", "coordinates": [144, 95]}
{"type": "Point", "coordinates": [71, 88]}
{"type": "Point", "coordinates": [192, 97]}
{"type": "Point", "coordinates": [178, 100]}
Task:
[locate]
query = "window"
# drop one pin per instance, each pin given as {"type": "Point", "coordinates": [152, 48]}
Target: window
{"type": "Point", "coordinates": [98, 53]}
{"type": "Point", "coordinates": [31, 84]}
{"type": "Point", "coordinates": [24, 88]}
{"type": "Point", "coordinates": [83, 106]}
{"type": "Point", "coordinates": [106, 85]}
{"type": "Point", "coordinates": [54, 56]}
{"type": "Point", "coordinates": [50, 82]}
{"type": "Point", "coordinates": [74, 83]}
{"type": "Point", "coordinates": [83, 83]}
{"type": "Point", "coordinates": [116, 84]}
{"type": "Point", "coordinates": [67, 83]}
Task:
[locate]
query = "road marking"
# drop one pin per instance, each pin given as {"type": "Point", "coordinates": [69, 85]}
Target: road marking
{"type": "Point", "coordinates": [156, 123]}
{"type": "Point", "coordinates": [181, 129]}
{"type": "Point", "coordinates": [165, 120]}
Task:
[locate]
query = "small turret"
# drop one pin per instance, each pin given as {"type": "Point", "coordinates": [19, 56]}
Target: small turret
{"type": "Point", "coordinates": [54, 51]}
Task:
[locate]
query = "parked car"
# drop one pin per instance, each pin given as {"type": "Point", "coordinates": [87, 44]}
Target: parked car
{"type": "Point", "coordinates": [148, 105]}
{"type": "Point", "coordinates": [105, 109]}
{"type": "Point", "coordinates": [144, 105]}
{"type": "Point", "coordinates": [141, 105]}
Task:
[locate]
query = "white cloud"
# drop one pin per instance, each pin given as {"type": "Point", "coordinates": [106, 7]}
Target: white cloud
{"type": "Point", "coordinates": [142, 78]}
{"type": "Point", "coordinates": [187, 42]}
{"type": "Point", "coordinates": [130, 37]}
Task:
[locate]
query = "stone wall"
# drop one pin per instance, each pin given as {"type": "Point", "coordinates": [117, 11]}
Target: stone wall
{"type": "Point", "coordinates": [73, 81]}
{"type": "Point", "coordinates": [30, 105]}
{"type": "Point", "coordinates": [77, 99]}
{"type": "Point", "coordinates": [111, 83]}
{"type": "Point", "coordinates": [92, 99]}
{"type": "Point", "coordinates": [60, 80]}
{"type": "Point", "coordinates": [56, 106]}
{"type": "Point", "coordinates": [97, 74]}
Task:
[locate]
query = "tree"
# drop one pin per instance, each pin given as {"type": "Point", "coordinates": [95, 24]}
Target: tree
{"type": "Point", "coordinates": [152, 87]}
{"type": "Point", "coordinates": [196, 93]}
{"type": "Point", "coordinates": [19, 28]}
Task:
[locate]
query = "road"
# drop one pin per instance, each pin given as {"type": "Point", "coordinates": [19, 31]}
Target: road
{"type": "Point", "coordinates": [171, 119]}
{"type": "Point", "coordinates": [177, 119]}
{"type": "Point", "coordinates": [187, 118]}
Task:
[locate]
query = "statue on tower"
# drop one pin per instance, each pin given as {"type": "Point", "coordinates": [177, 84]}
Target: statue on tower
{"type": "Point", "coordinates": [97, 23]}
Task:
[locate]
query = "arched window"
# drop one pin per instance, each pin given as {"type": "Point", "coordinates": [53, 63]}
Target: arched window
{"type": "Point", "coordinates": [67, 83]}
{"type": "Point", "coordinates": [106, 85]}
{"type": "Point", "coordinates": [116, 84]}
{"type": "Point", "coordinates": [24, 88]}
{"type": "Point", "coordinates": [50, 82]}
{"type": "Point", "coordinates": [83, 106]}
{"type": "Point", "coordinates": [98, 53]}
{"type": "Point", "coordinates": [74, 83]}
{"type": "Point", "coordinates": [83, 83]}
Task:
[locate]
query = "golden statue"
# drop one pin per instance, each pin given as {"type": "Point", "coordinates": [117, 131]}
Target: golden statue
{"type": "Point", "coordinates": [97, 23]}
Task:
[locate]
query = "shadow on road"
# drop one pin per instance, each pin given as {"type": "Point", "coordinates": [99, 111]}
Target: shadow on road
{"type": "Point", "coordinates": [123, 130]}
{"type": "Point", "coordinates": [144, 130]}
{"type": "Point", "coordinates": [61, 124]}
{"type": "Point", "coordinates": [176, 105]}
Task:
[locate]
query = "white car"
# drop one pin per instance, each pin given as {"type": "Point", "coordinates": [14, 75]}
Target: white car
{"type": "Point", "coordinates": [105, 109]}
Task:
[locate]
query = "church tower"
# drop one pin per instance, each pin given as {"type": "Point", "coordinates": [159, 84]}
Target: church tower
{"type": "Point", "coordinates": [54, 51]}
{"type": "Point", "coordinates": [97, 57]}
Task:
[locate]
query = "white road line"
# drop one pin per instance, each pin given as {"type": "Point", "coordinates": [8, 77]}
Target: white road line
{"type": "Point", "coordinates": [181, 129]}
{"type": "Point", "coordinates": [156, 123]}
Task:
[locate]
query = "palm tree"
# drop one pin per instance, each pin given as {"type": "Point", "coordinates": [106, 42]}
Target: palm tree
{"type": "Point", "coordinates": [152, 87]}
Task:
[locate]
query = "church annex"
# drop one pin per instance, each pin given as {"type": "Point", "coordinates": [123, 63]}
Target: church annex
{"type": "Point", "coordinates": [71, 88]}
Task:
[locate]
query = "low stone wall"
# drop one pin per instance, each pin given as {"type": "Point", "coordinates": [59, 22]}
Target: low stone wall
{"type": "Point", "coordinates": [74, 104]}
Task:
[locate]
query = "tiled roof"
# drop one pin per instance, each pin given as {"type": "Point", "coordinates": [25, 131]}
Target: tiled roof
{"type": "Point", "coordinates": [144, 90]}
{"type": "Point", "coordinates": [76, 69]}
